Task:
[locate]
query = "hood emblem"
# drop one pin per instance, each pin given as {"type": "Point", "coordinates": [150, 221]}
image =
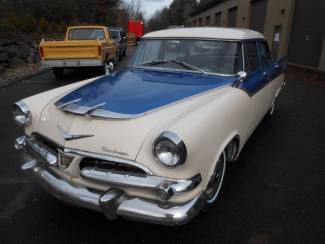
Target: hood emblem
{"type": "Point", "coordinates": [69, 137]}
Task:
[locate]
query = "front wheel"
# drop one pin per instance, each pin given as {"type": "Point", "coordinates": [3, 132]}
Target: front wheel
{"type": "Point", "coordinates": [216, 180]}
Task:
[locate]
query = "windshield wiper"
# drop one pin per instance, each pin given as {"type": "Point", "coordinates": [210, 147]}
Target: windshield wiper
{"type": "Point", "coordinates": [152, 62]}
{"type": "Point", "coordinates": [176, 61]}
{"type": "Point", "coordinates": [187, 65]}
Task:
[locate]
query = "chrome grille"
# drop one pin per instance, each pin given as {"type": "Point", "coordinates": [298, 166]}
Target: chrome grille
{"type": "Point", "coordinates": [112, 167]}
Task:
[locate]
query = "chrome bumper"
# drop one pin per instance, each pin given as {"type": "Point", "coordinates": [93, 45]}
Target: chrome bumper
{"type": "Point", "coordinates": [113, 202]}
{"type": "Point", "coordinates": [71, 63]}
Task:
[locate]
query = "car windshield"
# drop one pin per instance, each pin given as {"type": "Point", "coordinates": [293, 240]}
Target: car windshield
{"type": "Point", "coordinates": [205, 56]}
{"type": "Point", "coordinates": [86, 34]}
{"type": "Point", "coordinates": [115, 35]}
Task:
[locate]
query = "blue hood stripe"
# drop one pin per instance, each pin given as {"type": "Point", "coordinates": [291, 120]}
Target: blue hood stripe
{"type": "Point", "coordinates": [136, 91]}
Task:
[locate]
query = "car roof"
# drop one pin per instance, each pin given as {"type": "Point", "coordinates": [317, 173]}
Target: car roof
{"type": "Point", "coordinates": [207, 32]}
{"type": "Point", "coordinates": [86, 26]}
{"type": "Point", "coordinates": [115, 28]}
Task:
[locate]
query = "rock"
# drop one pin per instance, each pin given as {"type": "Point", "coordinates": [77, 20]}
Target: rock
{"type": "Point", "coordinates": [14, 62]}
{"type": "Point", "coordinates": [3, 58]}
{"type": "Point", "coordinates": [33, 45]}
{"type": "Point", "coordinates": [4, 42]}
{"type": "Point", "coordinates": [13, 51]}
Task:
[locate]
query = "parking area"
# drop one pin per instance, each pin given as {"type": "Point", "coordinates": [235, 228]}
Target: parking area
{"type": "Point", "coordinates": [275, 193]}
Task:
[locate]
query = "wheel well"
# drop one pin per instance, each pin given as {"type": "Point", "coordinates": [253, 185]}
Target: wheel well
{"type": "Point", "coordinates": [232, 149]}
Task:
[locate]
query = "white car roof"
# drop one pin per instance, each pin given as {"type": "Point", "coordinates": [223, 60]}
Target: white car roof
{"type": "Point", "coordinates": [207, 32]}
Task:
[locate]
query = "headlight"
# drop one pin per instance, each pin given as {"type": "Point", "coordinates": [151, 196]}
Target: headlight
{"type": "Point", "coordinates": [169, 150]}
{"type": "Point", "coordinates": [22, 114]}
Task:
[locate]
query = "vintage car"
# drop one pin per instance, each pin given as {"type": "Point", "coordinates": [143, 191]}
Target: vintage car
{"type": "Point", "coordinates": [151, 142]}
{"type": "Point", "coordinates": [83, 46]}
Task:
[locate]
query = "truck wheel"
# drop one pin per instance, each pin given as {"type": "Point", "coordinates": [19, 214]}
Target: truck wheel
{"type": "Point", "coordinates": [58, 73]}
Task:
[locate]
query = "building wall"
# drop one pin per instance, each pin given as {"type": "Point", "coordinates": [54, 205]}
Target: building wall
{"type": "Point", "coordinates": [278, 13]}
{"type": "Point", "coordinates": [308, 34]}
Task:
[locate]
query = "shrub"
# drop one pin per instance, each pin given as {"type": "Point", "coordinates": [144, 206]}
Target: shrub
{"type": "Point", "coordinates": [44, 24]}
{"type": "Point", "coordinates": [29, 23]}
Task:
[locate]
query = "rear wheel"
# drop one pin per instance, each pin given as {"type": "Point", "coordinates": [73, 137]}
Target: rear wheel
{"type": "Point", "coordinates": [214, 186]}
{"type": "Point", "coordinates": [58, 73]}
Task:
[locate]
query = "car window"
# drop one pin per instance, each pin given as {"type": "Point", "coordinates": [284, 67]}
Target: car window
{"type": "Point", "coordinates": [265, 54]}
{"type": "Point", "coordinates": [251, 60]}
{"type": "Point", "coordinates": [211, 56]}
{"type": "Point", "coordinates": [86, 34]}
{"type": "Point", "coordinates": [115, 35]}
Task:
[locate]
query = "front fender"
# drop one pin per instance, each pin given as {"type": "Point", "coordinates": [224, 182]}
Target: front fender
{"type": "Point", "coordinates": [206, 126]}
{"type": "Point", "coordinates": [38, 102]}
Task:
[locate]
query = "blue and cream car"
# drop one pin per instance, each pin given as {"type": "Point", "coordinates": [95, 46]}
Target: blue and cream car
{"type": "Point", "coordinates": [151, 142]}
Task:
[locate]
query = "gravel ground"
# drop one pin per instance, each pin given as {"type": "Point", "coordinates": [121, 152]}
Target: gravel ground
{"type": "Point", "coordinates": [19, 72]}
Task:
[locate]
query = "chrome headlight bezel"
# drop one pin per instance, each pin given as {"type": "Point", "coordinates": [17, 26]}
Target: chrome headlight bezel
{"type": "Point", "coordinates": [22, 114]}
{"type": "Point", "coordinates": [178, 146]}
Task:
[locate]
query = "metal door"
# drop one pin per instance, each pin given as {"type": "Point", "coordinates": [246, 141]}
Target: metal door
{"type": "Point", "coordinates": [258, 13]}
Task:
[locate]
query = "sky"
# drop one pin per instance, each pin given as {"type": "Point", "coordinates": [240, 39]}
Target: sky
{"type": "Point", "coordinates": [151, 6]}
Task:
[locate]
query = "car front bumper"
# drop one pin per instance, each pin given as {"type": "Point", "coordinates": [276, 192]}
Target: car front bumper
{"type": "Point", "coordinates": [71, 63]}
{"type": "Point", "coordinates": [38, 165]}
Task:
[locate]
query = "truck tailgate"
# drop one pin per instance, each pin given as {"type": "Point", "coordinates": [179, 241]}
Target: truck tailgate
{"type": "Point", "coordinates": [85, 49]}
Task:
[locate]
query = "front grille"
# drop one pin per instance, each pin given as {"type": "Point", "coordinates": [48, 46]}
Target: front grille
{"type": "Point", "coordinates": [112, 167]}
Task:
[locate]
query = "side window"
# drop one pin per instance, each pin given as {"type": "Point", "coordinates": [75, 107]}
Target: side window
{"type": "Point", "coordinates": [251, 63]}
{"type": "Point", "coordinates": [265, 54]}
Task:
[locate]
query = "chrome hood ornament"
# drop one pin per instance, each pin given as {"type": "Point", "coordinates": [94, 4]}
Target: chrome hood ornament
{"type": "Point", "coordinates": [69, 137]}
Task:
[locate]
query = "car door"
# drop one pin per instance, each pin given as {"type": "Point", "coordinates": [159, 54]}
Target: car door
{"type": "Point", "coordinates": [273, 69]}
{"type": "Point", "coordinates": [268, 69]}
{"type": "Point", "coordinates": [254, 84]}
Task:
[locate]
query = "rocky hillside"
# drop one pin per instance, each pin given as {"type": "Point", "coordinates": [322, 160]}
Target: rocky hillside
{"type": "Point", "coordinates": [17, 53]}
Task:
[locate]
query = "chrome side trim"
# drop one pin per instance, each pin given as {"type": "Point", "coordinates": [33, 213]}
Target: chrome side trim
{"type": "Point", "coordinates": [150, 181]}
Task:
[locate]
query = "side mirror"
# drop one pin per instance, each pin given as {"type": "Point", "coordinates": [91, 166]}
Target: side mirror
{"type": "Point", "coordinates": [109, 68]}
{"type": "Point", "coordinates": [241, 78]}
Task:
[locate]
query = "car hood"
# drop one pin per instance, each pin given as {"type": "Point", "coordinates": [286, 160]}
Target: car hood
{"type": "Point", "coordinates": [133, 92]}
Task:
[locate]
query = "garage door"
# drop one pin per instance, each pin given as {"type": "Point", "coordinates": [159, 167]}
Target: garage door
{"type": "Point", "coordinates": [258, 13]}
{"type": "Point", "coordinates": [308, 33]}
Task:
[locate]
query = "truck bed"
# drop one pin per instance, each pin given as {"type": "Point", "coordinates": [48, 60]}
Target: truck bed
{"type": "Point", "coordinates": [83, 49]}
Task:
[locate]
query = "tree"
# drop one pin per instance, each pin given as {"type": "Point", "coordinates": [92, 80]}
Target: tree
{"type": "Point", "coordinates": [134, 9]}
{"type": "Point", "coordinates": [176, 14]}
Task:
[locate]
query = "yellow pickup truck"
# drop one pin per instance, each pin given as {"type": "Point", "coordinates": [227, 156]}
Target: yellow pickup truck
{"type": "Point", "coordinates": [83, 46]}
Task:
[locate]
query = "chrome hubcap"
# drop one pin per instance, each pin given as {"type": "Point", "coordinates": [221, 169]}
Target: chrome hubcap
{"type": "Point", "coordinates": [216, 180]}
